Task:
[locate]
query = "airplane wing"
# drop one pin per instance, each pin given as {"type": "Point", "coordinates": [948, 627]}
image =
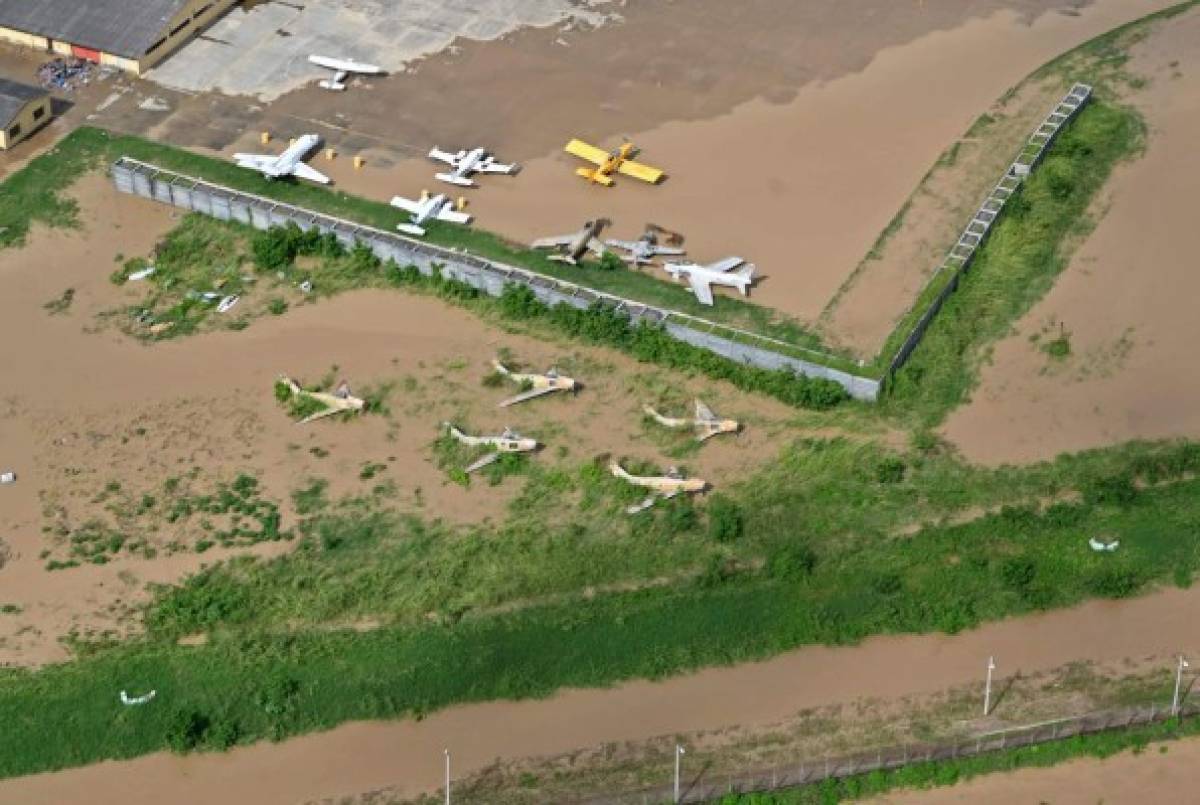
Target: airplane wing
{"type": "Point", "coordinates": [408, 205]}
{"type": "Point", "coordinates": [443, 156]}
{"type": "Point", "coordinates": [702, 289]}
{"type": "Point", "coordinates": [639, 171]}
{"type": "Point", "coordinates": [668, 250]}
{"type": "Point", "coordinates": [312, 174]}
{"type": "Point", "coordinates": [255, 161]}
{"type": "Point", "coordinates": [496, 167]}
{"type": "Point", "coordinates": [526, 395]}
{"type": "Point", "coordinates": [482, 462]}
{"type": "Point", "coordinates": [725, 265]}
{"type": "Point", "coordinates": [626, 245]}
{"type": "Point", "coordinates": [596, 247]}
{"type": "Point", "coordinates": [704, 412]}
{"type": "Point", "coordinates": [320, 415]}
{"type": "Point", "coordinates": [552, 241]}
{"type": "Point", "coordinates": [453, 216]}
{"type": "Point", "coordinates": [584, 151]}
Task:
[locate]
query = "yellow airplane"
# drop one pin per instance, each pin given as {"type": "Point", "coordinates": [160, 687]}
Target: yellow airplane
{"type": "Point", "coordinates": [609, 162]}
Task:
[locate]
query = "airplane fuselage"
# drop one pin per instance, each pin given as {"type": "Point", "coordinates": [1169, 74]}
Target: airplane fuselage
{"type": "Point", "coordinates": [293, 155]}
{"type": "Point", "coordinates": [730, 279]}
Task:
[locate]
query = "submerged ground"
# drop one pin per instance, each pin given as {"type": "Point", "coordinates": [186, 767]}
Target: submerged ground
{"type": "Point", "coordinates": [395, 590]}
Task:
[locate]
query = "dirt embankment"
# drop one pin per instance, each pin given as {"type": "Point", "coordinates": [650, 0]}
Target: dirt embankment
{"type": "Point", "coordinates": [1125, 303]}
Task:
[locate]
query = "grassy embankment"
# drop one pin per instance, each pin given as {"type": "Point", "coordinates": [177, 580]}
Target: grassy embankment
{"type": "Point", "coordinates": [807, 552]}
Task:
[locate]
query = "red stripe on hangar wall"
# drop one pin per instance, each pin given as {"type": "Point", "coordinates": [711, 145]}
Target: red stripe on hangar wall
{"type": "Point", "coordinates": [85, 53]}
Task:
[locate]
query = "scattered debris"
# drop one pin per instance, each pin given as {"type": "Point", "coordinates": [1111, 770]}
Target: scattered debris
{"type": "Point", "coordinates": [1102, 546]}
{"type": "Point", "coordinates": [306, 286]}
{"type": "Point", "coordinates": [66, 73]}
{"type": "Point", "coordinates": [227, 303]}
{"type": "Point", "coordinates": [130, 701]}
{"type": "Point", "coordinates": [146, 272]}
{"type": "Point", "coordinates": [153, 104]}
{"type": "Point", "coordinates": [8, 478]}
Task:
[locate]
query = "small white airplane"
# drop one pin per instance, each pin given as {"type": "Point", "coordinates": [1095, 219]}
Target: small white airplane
{"type": "Point", "coordinates": [289, 163]}
{"type": "Point", "coordinates": [732, 271]}
{"type": "Point", "coordinates": [428, 208]}
{"type": "Point", "coordinates": [342, 68]}
{"type": "Point", "coordinates": [644, 249]}
{"type": "Point", "coordinates": [466, 163]}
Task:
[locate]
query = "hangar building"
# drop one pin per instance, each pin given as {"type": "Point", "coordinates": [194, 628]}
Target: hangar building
{"type": "Point", "coordinates": [133, 35]}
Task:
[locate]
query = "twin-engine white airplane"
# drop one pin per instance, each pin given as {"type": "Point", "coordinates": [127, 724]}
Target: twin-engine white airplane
{"type": "Point", "coordinates": [428, 208]}
{"type": "Point", "coordinates": [342, 68]}
{"type": "Point", "coordinates": [467, 163]}
{"type": "Point", "coordinates": [734, 272]}
{"type": "Point", "coordinates": [289, 163]}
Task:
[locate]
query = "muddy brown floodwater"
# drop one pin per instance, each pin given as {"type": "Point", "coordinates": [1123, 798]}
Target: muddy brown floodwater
{"type": "Point", "coordinates": [801, 181]}
{"type": "Point", "coordinates": [1126, 301]}
{"type": "Point", "coordinates": [407, 755]}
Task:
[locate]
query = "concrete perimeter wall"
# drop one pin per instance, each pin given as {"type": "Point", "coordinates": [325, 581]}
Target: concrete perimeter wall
{"type": "Point", "coordinates": [196, 195]}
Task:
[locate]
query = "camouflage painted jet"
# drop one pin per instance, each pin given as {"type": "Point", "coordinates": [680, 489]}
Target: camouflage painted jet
{"type": "Point", "coordinates": [507, 442]}
{"type": "Point", "coordinates": [661, 486]}
{"type": "Point", "coordinates": [339, 402]}
{"type": "Point", "coordinates": [538, 384]}
{"type": "Point", "coordinates": [705, 422]}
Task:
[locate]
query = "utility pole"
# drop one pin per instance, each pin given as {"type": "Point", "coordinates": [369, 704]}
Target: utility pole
{"type": "Point", "coordinates": [446, 752]}
{"type": "Point", "coordinates": [987, 688]}
{"type": "Point", "coordinates": [1178, 685]}
{"type": "Point", "coordinates": [679, 752]}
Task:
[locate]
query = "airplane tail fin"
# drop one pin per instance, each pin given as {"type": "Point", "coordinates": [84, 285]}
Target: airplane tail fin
{"type": "Point", "coordinates": [411, 229]}
{"type": "Point", "coordinates": [501, 368]}
{"type": "Point", "coordinates": [450, 178]}
{"type": "Point", "coordinates": [453, 431]}
{"type": "Point", "coordinates": [746, 272]}
{"type": "Point", "coordinates": [594, 175]}
{"type": "Point", "coordinates": [619, 471]}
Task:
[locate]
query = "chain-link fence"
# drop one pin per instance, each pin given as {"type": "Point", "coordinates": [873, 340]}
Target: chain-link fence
{"type": "Point", "coordinates": [705, 785]}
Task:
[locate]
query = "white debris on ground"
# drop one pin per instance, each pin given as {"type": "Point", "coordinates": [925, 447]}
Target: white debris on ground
{"type": "Point", "coordinates": [130, 701]}
{"type": "Point", "coordinates": [8, 477]}
{"type": "Point", "coordinates": [263, 51]}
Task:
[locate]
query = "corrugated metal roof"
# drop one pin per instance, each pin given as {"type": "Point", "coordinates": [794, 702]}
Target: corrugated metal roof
{"type": "Point", "coordinates": [13, 97]}
{"type": "Point", "coordinates": [122, 27]}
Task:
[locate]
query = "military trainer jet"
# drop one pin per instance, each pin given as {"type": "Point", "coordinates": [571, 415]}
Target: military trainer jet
{"type": "Point", "coordinates": [507, 442]}
{"type": "Point", "coordinates": [537, 384]}
{"type": "Point", "coordinates": [705, 422]}
{"type": "Point", "coordinates": [662, 487]}
{"type": "Point", "coordinates": [572, 247]}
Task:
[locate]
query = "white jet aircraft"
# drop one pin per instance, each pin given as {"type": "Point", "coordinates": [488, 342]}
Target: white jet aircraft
{"type": "Point", "coordinates": [466, 163]}
{"type": "Point", "coordinates": [342, 68]}
{"type": "Point", "coordinates": [428, 208]}
{"type": "Point", "coordinates": [289, 163]}
{"type": "Point", "coordinates": [732, 271]}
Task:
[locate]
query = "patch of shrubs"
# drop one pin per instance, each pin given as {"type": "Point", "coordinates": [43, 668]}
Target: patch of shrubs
{"type": "Point", "coordinates": [279, 246]}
